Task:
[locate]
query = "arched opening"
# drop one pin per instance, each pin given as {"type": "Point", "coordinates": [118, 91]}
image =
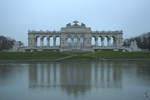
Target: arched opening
{"type": "Point", "coordinates": [105, 41]}
{"type": "Point", "coordinates": [93, 41]}
{"type": "Point", "coordinates": [44, 41]}
{"type": "Point", "coordinates": [37, 41]}
{"type": "Point", "coordinates": [111, 41]}
{"type": "Point", "coordinates": [99, 41]}
{"type": "Point", "coordinates": [69, 42]}
{"type": "Point", "coordinates": [51, 41]}
{"type": "Point", "coordinates": [81, 40]}
{"type": "Point", "coordinates": [57, 41]}
{"type": "Point", "coordinates": [75, 40]}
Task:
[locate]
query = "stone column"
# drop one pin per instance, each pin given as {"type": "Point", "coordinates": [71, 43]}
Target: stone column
{"type": "Point", "coordinates": [78, 42]}
{"type": "Point", "coordinates": [89, 41]}
{"type": "Point", "coordinates": [72, 43]}
{"type": "Point", "coordinates": [116, 43]}
{"type": "Point", "coordinates": [41, 42]}
{"type": "Point", "coordinates": [33, 42]}
{"type": "Point", "coordinates": [54, 41]}
{"type": "Point", "coordinates": [108, 41]}
{"type": "Point", "coordinates": [64, 41]}
{"type": "Point", "coordinates": [48, 41]}
{"type": "Point", "coordinates": [96, 41]}
{"type": "Point", "coordinates": [84, 44]}
{"type": "Point", "coordinates": [29, 42]}
{"type": "Point", "coordinates": [114, 40]}
{"type": "Point", "coordinates": [35, 39]}
{"type": "Point", "coordinates": [120, 42]}
{"type": "Point", "coordinates": [102, 41]}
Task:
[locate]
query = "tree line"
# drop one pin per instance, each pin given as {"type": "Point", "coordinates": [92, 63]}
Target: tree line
{"type": "Point", "coordinates": [6, 43]}
{"type": "Point", "coordinates": [143, 41]}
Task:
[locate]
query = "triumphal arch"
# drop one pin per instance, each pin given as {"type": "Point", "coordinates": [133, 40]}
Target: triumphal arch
{"type": "Point", "coordinates": [75, 37]}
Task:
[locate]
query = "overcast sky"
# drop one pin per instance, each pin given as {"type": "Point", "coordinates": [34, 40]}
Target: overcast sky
{"type": "Point", "coordinates": [19, 16]}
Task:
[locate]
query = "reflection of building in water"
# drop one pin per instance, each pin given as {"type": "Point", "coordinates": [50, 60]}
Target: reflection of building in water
{"type": "Point", "coordinates": [143, 73]}
{"type": "Point", "coordinates": [43, 75]}
{"type": "Point", "coordinates": [138, 71]}
{"type": "Point", "coordinates": [75, 78]}
{"type": "Point", "coordinates": [106, 75]}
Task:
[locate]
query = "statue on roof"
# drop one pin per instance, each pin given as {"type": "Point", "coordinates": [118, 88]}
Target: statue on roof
{"type": "Point", "coordinates": [75, 23]}
{"type": "Point", "coordinates": [82, 25]}
{"type": "Point", "coordinates": [68, 25]}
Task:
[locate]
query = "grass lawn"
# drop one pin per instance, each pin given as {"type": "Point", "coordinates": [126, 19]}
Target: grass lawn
{"type": "Point", "coordinates": [31, 55]}
{"type": "Point", "coordinates": [70, 55]}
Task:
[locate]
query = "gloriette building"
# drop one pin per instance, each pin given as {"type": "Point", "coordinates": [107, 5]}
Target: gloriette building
{"type": "Point", "coordinates": [75, 37]}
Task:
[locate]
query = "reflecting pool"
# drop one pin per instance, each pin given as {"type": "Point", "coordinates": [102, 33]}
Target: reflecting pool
{"type": "Point", "coordinates": [91, 80]}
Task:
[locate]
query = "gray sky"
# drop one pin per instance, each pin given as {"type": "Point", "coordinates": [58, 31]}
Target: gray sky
{"type": "Point", "coordinates": [18, 16]}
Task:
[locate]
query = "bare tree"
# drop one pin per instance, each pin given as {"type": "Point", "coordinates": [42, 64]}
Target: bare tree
{"type": "Point", "coordinates": [6, 43]}
{"type": "Point", "coordinates": [143, 41]}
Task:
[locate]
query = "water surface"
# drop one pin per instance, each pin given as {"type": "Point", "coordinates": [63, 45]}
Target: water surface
{"type": "Point", "coordinates": [103, 80]}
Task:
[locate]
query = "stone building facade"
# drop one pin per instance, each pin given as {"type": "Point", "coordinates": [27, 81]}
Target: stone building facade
{"type": "Point", "coordinates": [75, 37]}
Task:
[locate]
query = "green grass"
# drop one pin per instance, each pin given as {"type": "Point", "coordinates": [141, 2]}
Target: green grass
{"type": "Point", "coordinates": [112, 55]}
{"type": "Point", "coordinates": [119, 55]}
{"type": "Point", "coordinates": [31, 55]}
{"type": "Point", "coordinates": [70, 55]}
